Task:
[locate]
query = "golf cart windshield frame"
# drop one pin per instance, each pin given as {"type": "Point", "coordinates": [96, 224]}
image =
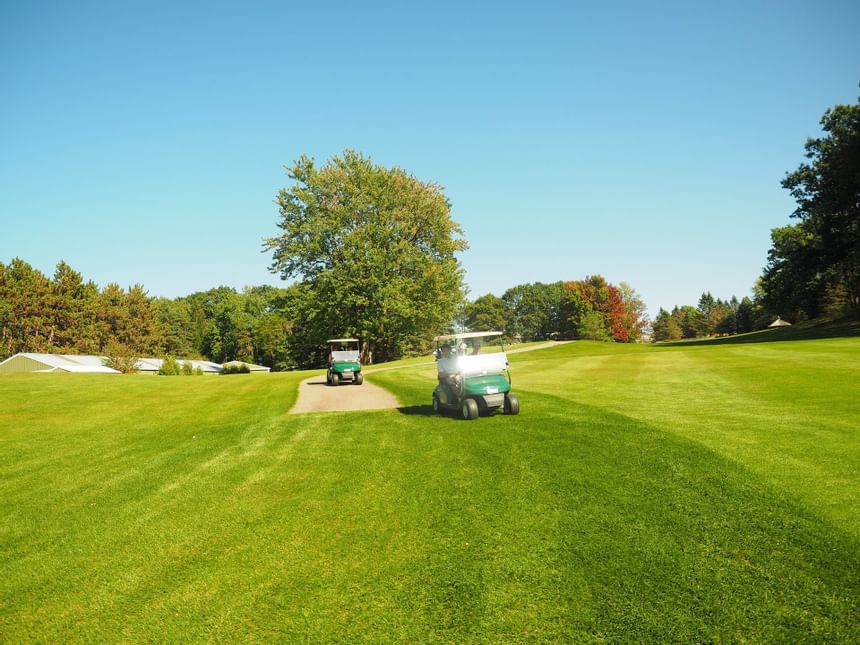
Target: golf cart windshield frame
{"type": "Point", "coordinates": [467, 358]}
{"type": "Point", "coordinates": [349, 355]}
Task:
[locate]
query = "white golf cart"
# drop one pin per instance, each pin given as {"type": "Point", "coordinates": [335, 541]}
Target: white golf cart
{"type": "Point", "coordinates": [471, 381]}
{"type": "Point", "coordinates": [344, 362]}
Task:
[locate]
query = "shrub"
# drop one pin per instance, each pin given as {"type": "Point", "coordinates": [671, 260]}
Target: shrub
{"type": "Point", "coordinates": [187, 368]}
{"type": "Point", "coordinates": [120, 358]}
{"type": "Point", "coordinates": [169, 367]}
{"type": "Point", "coordinates": [241, 368]}
{"type": "Point", "coordinates": [198, 371]}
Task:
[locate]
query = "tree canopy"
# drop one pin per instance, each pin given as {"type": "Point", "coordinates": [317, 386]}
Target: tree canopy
{"type": "Point", "coordinates": [814, 266]}
{"type": "Point", "coordinates": [374, 249]}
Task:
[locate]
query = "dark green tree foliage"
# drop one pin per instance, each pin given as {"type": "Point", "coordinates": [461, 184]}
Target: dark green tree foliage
{"type": "Point", "coordinates": [67, 315]}
{"type": "Point", "coordinates": [592, 326]}
{"type": "Point", "coordinates": [534, 310]}
{"type": "Point", "coordinates": [178, 325]}
{"type": "Point", "coordinates": [376, 249]}
{"type": "Point", "coordinates": [821, 253]}
{"type": "Point", "coordinates": [745, 316]}
{"type": "Point", "coordinates": [251, 326]}
{"type": "Point", "coordinates": [666, 327]}
{"type": "Point", "coordinates": [25, 309]}
{"type": "Point", "coordinates": [712, 316]}
{"type": "Point", "coordinates": [487, 313]}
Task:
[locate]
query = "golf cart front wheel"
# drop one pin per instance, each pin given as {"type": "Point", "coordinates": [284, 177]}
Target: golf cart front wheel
{"type": "Point", "coordinates": [512, 404]}
{"type": "Point", "coordinates": [359, 379]}
{"type": "Point", "coordinates": [437, 405]}
{"type": "Point", "coordinates": [335, 379]}
{"type": "Point", "coordinates": [469, 409]}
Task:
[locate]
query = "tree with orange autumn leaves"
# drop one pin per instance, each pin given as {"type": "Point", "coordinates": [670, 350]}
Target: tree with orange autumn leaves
{"type": "Point", "coordinates": [595, 309]}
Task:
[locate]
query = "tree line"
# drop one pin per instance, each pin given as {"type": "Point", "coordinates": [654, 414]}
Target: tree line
{"type": "Point", "coordinates": [65, 314]}
{"type": "Point", "coordinates": [711, 316]}
{"type": "Point", "coordinates": [591, 308]}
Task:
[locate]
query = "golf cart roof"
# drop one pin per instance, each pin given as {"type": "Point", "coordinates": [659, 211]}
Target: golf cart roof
{"type": "Point", "coordinates": [470, 334]}
{"type": "Point", "coordinates": [342, 340]}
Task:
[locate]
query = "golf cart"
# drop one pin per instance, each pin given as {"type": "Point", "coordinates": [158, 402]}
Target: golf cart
{"type": "Point", "coordinates": [344, 363]}
{"type": "Point", "coordinates": [471, 382]}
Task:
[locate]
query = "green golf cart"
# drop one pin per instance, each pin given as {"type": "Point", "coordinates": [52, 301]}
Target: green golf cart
{"type": "Point", "coordinates": [472, 382]}
{"type": "Point", "coordinates": [344, 362]}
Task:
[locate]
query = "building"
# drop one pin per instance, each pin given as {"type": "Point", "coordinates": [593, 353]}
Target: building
{"type": "Point", "coordinates": [72, 363]}
{"type": "Point", "coordinates": [44, 363]}
{"type": "Point", "coordinates": [779, 322]}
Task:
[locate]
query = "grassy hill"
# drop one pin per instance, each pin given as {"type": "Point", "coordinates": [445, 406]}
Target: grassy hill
{"type": "Point", "coordinates": [691, 493]}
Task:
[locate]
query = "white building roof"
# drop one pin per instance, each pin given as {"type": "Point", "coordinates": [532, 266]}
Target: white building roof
{"type": "Point", "coordinates": [68, 363]}
{"type": "Point", "coordinates": [95, 364]}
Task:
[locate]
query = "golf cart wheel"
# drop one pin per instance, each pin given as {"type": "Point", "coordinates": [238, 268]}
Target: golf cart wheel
{"type": "Point", "coordinates": [512, 404]}
{"type": "Point", "coordinates": [437, 405]}
{"type": "Point", "coordinates": [328, 378]}
{"type": "Point", "coordinates": [335, 379]}
{"type": "Point", "coordinates": [359, 379]}
{"type": "Point", "coordinates": [469, 409]}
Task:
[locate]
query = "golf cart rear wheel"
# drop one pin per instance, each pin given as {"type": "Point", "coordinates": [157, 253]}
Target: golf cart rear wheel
{"type": "Point", "coordinates": [335, 379]}
{"type": "Point", "coordinates": [469, 409]}
{"type": "Point", "coordinates": [512, 404]}
{"type": "Point", "coordinates": [437, 405]}
{"type": "Point", "coordinates": [328, 378]}
{"type": "Point", "coordinates": [359, 379]}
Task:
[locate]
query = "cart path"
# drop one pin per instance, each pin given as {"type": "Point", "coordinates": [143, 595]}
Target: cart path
{"type": "Point", "coordinates": [316, 396]}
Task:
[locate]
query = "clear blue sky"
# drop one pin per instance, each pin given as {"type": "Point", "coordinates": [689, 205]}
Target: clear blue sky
{"type": "Point", "coordinates": [145, 142]}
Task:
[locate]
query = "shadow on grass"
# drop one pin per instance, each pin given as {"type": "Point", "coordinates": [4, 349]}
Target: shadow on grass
{"type": "Point", "coordinates": [812, 330]}
{"type": "Point", "coordinates": [418, 410]}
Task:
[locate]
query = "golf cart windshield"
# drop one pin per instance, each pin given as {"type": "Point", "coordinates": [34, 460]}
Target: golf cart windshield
{"type": "Point", "coordinates": [343, 349]}
{"type": "Point", "coordinates": [463, 355]}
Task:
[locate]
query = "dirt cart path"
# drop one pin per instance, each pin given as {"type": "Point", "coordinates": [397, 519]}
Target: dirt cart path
{"type": "Point", "coordinates": [316, 396]}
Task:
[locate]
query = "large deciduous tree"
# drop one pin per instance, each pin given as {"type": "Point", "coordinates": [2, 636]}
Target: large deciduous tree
{"type": "Point", "coordinates": [534, 310]}
{"type": "Point", "coordinates": [487, 313]}
{"type": "Point", "coordinates": [376, 246]}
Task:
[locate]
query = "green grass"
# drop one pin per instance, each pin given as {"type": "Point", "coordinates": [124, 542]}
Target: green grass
{"type": "Point", "coordinates": [695, 494]}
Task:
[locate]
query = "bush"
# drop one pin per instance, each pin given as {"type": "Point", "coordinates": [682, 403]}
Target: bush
{"type": "Point", "coordinates": [119, 358]}
{"type": "Point", "coordinates": [187, 368]}
{"type": "Point", "coordinates": [241, 368]}
{"type": "Point", "coordinates": [169, 367]}
{"type": "Point", "coordinates": [198, 371]}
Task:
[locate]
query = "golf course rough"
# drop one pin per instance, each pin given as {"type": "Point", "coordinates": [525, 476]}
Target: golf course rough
{"type": "Point", "coordinates": [648, 494]}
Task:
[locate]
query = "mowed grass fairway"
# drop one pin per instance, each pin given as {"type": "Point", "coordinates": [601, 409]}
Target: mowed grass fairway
{"type": "Point", "coordinates": [700, 493]}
